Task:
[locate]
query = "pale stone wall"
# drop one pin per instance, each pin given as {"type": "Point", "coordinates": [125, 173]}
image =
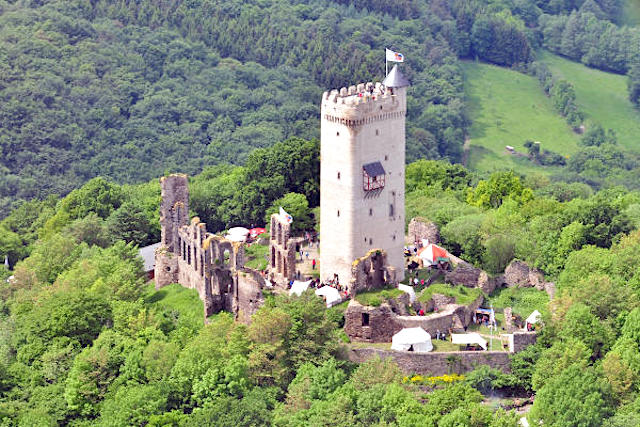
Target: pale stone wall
{"type": "Point", "coordinates": [438, 363]}
{"type": "Point", "coordinates": [520, 340]}
{"type": "Point", "coordinates": [355, 131]}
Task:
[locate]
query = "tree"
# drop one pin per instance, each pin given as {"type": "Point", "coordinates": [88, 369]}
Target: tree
{"type": "Point", "coordinates": [577, 396]}
{"type": "Point", "coordinates": [633, 84]}
{"type": "Point", "coordinates": [130, 224]}
{"type": "Point", "coordinates": [500, 186]}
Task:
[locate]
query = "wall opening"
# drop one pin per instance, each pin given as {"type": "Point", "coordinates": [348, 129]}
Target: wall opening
{"type": "Point", "coordinates": [391, 211]}
{"type": "Point", "coordinates": [365, 319]}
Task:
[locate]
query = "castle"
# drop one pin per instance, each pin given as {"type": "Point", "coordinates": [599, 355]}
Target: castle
{"type": "Point", "coordinates": [362, 176]}
{"type": "Point", "coordinates": [362, 211]}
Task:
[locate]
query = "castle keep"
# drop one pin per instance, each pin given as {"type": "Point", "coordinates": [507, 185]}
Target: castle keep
{"type": "Point", "coordinates": [362, 176]}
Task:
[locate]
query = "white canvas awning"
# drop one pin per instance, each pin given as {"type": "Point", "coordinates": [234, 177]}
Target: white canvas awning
{"type": "Point", "coordinates": [409, 290]}
{"type": "Point", "coordinates": [299, 287]}
{"type": "Point", "coordinates": [412, 339]}
{"type": "Point", "coordinates": [330, 294]}
{"type": "Point", "coordinates": [470, 338]}
{"type": "Point", "coordinates": [534, 317]}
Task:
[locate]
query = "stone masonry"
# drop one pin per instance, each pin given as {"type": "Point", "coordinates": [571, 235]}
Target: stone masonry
{"type": "Point", "coordinates": [420, 228]}
{"type": "Point", "coordinates": [362, 180]}
{"type": "Point", "coordinates": [199, 260]}
{"type": "Point", "coordinates": [438, 363]}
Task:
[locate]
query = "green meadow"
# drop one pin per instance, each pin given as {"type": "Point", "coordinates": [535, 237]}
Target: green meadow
{"type": "Point", "coordinates": [601, 96]}
{"type": "Point", "coordinates": [507, 108]}
{"type": "Point", "coordinates": [631, 15]}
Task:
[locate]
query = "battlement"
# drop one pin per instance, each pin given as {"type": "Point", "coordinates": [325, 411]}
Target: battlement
{"type": "Point", "coordinates": [363, 103]}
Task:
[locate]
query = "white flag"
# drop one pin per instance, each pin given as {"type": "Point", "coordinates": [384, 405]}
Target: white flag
{"type": "Point", "coordinates": [285, 216]}
{"type": "Point", "coordinates": [394, 56]}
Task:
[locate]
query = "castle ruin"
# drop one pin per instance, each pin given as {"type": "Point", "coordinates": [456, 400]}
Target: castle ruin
{"type": "Point", "coordinates": [199, 260]}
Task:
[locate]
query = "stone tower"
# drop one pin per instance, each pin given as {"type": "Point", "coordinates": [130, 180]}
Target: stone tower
{"type": "Point", "coordinates": [174, 213]}
{"type": "Point", "coordinates": [362, 175]}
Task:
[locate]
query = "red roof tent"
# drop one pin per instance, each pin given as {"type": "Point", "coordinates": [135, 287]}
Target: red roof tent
{"type": "Point", "coordinates": [255, 232]}
{"type": "Point", "coordinates": [433, 253]}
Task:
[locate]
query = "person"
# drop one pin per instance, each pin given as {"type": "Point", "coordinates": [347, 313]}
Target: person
{"type": "Point", "coordinates": [307, 255]}
{"type": "Point", "coordinates": [415, 281]}
{"type": "Point", "coordinates": [437, 334]}
{"type": "Point", "coordinates": [421, 312]}
{"type": "Point", "coordinates": [301, 254]}
{"type": "Point", "coordinates": [313, 264]}
{"type": "Point", "coordinates": [422, 282]}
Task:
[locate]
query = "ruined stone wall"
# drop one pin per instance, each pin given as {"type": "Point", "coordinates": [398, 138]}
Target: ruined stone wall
{"type": "Point", "coordinates": [420, 228]}
{"type": "Point", "coordinates": [370, 324]}
{"type": "Point", "coordinates": [438, 363]}
{"type": "Point", "coordinates": [199, 260]}
{"type": "Point", "coordinates": [379, 324]}
{"type": "Point", "coordinates": [248, 297]}
{"type": "Point", "coordinates": [371, 272]}
{"type": "Point", "coordinates": [174, 213]}
{"type": "Point", "coordinates": [463, 274]}
{"type": "Point", "coordinates": [520, 340]}
{"type": "Point", "coordinates": [282, 250]}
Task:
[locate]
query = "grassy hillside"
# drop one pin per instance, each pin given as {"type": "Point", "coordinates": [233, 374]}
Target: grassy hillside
{"type": "Point", "coordinates": [601, 96]}
{"type": "Point", "coordinates": [631, 15]}
{"type": "Point", "coordinates": [507, 108]}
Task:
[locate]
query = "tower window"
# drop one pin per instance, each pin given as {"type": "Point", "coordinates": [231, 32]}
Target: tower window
{"type": "Point", "coordinates": [370, 212]}
{"type": "Point", "coordinates": [386, 157]}
{"type": "Point", "coordinates": [378, 133]}
{"type": "Point", "coordinates": [338, 212]}
{"type": "Point", "coordinates": [373, 176]}
{"type": "Point", "coordinates": [370, 241]}
{"type": "Point", "coordinates": [338, 175]}
{"type": "Point", "coordinates": [337, 133]}
{"type": "Point", "coordinates": [394, 237]}
{"type": "Point", "coordinates": [391, 211]}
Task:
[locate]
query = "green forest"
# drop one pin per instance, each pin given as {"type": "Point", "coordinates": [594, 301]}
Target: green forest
{"type": "Point", "coordinates": [99, 98]}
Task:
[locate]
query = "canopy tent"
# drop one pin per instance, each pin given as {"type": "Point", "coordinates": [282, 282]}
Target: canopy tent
{"type": "Point", "coordinates": [237, 234]}
{"type": "Point", "coordinates": [433, 254]}
{"type": "Point", "coordinates": [331, 295]}
{"type": "Point", "coordinates": [299, 287]}
{"type": "Point", "coordinates": [470, 338]}
{"type": "Point", "coordinates": [412, 339]}
{"type": "Point", "coordinates": [409, 290]}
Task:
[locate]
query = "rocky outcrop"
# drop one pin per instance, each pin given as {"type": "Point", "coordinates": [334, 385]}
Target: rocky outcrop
{"type": "Point", "coordinates": [420, 228]}
{"type": "Point", "coordinates": [463, 274]}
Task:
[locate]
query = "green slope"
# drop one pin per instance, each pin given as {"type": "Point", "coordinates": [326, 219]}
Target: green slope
{"type": "Point", "coordinates": [507, 108]}
{"type": "Point", "coordinates": [601, 96]}
{"type": "Point", "coordinates": [631, 15]}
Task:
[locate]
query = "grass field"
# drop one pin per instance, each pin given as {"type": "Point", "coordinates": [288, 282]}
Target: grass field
{"type": "Point", "coordinates": [507, 108]}
{"type": "Point", "coordinates": [601, 96]}
{"type": "Point", "coordinates": [183, 304]}
{"type": "Point", "coordinates": [631, 15]}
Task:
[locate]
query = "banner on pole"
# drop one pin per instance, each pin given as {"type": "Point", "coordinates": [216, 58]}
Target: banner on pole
{"type": "Point", "coordinates": [394, 56]}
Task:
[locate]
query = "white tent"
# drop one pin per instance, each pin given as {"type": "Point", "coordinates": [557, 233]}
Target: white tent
{"type": "Point", "coordinates": [470, 338]}
{"type": "Point", "coordinates": [330, 294]}
{"type": "Point", "coordinates": [409, 290]}
{"type": "Point", "coordinates": [299, 287]}
{"type": "Point", "coordinates": [534, 317]}
{"type": "Point", "coordinates": [412, 339]}
{"type": "Point", "coordinates": [237, 234]}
